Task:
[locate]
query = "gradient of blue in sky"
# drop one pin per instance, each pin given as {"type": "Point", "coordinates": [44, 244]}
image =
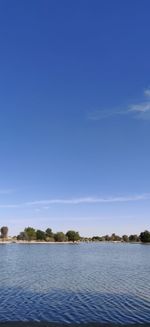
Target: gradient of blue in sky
{"type": "Point", "coordinates": [75, 115]}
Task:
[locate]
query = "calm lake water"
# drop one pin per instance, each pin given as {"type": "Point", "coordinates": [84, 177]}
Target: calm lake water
{"type": "Point", "coordinates": [75, 283]}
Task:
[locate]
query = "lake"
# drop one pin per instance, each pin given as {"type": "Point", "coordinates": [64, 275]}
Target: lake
{"type": "Point", "coordinates": [75, 283]}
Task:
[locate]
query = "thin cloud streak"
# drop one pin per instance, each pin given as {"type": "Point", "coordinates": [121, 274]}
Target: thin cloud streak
{"type": "Point", "coordinates": [91, 200]}
{"type": "Point", "coordinates": [138, 110]}
{"type": "Point", "coordinates": [104, 114]}
{"type": "Point", "coordinates": [78, 201]}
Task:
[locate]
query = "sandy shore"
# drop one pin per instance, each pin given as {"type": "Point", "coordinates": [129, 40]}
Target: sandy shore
{"type": "Point", "coordinates": [35, 242]}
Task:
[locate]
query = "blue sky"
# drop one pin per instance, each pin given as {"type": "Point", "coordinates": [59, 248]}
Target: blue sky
{"type": "Point", "coordinates": [75, 115]}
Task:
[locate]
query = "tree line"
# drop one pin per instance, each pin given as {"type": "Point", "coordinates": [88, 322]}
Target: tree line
{"type": "Point", "coordinates": [31, 234]}
{"type": "Point", "coordinates": [144, 237]}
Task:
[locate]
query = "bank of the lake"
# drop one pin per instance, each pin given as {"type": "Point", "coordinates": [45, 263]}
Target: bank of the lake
{"type": "Point", "coordinates": [36, 242]}
{"type": "Point", "coordinates": [70, 242]}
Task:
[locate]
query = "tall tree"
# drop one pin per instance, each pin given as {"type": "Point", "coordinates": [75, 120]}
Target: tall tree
{"type": "Point", "coordinates": [145, 237]}
{"type": "Point", "coordinates": [134, 238]}
{"type": "Point", "coordinates": [40, 235]}
{"type": "Point", "coordinates": [30, 233]}
{"type": "Point", "coordinates": [60, 237]}
{"type": "Point", "coordinates": [4, 232]}
{"type": "Point", "coordinates": [73, 236]}
{"type": "Point", "coordinates": [125, 238]}
{"type": "Point", "coordinates": [49, 232]}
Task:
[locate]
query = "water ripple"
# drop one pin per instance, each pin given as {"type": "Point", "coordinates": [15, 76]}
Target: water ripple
{"type": "Point", "coordinates": [98, 283]}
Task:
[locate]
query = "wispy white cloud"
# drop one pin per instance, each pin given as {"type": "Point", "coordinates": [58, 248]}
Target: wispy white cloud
{"type": "Point", "coordinates": [104, 114]}
{"type": "Point", "coordinates": [142, 107]}
{"type": "Point", "coordinates": [91, 200]}
{"type": "Point", "coordinates": [147, 92]}
{"type": "Point", "coordinates": [81, 200]}
{"type": "Point", "coordinates": [139, 110]}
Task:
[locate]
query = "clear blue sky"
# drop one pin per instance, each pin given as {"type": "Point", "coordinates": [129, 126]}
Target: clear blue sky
{"type": "Point", "coordinates": [75, 115]}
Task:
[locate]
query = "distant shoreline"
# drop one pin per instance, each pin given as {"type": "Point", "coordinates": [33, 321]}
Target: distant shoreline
{"type": "Point", "coordinates": [36, 242]}
{"type": "Point", "coordinates": [68, 242]}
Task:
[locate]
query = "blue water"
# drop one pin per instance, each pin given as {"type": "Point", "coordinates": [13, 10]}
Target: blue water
{"type": "Point", "coordinates": [75, 283]}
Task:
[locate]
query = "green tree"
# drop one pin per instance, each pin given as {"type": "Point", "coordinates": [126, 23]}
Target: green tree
{"type": "Point", "coordinates": [145, 237]}
{"type": "Point", "coordinates": [125, 238]}
{"type": "Point", "coordinates": [113, 237]}
{"type": "Point", "coordinates": [134, 238]}
{"type": "Point", "coordinates": [73, 236]}
{"type": "Point", "coordinates": [30, 233]}
{"type": "Point", "coordinates": [4, 232]}
{"type": "Point", "coordinates": [96, 239]}
{"type": "Point", "coordinates": [107, 238]}
{"type": "Point", "coordinates": [40, 235]}
{"type": "Point", "coordinates": [60, 237]}
{"type": "Point", "coordinates": [21, 236]}
{"type": "Point", "coordinates": [49, 232]}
